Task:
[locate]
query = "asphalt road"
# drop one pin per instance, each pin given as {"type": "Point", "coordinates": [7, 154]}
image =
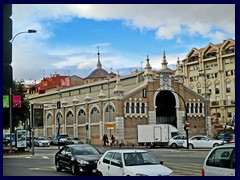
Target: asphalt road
{"type": "Point", "coordinates": [42, 162]}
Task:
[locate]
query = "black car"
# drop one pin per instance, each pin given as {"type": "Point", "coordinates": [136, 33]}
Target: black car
{"type": "Point", "coordinates": [77, 158]}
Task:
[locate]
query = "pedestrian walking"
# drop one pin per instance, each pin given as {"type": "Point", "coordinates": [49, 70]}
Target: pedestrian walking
{"type": "Point", "coordinates": [105, 140]}
{"type": "Point", "coordinates": [113, 140]}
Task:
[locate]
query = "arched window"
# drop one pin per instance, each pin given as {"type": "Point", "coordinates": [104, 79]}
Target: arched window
{"type": "Point", "coordinates": [49, 119]}
{"type": "Point", "coordinates": [94, 115]}
{"type": "Point", "coordinates": [127, 107]}
{"type": "Point", "coordinates": [69, 118]}
{"type": "Point", "coordinates": [200, 108]}
{"type": "Point", "coordinates": [132, 108]}
{"type": "Point", "coordinates": [192, 107]}
{"type": "Point", "coordinates": [138, 108]}
{"type": "Point", "coordinates": [187, 107]}
{"type": "Point", "coordinates": [143, 108]}
{"type": "Point", "coordinates": [110, 113]}
{"type": "Point", "coordinates": [196, 108]}
{"type": "Point", "coordinates": [81, 117]}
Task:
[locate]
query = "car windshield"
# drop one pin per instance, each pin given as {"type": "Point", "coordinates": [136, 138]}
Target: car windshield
{"type": "Point", "coordinates": [42, 138]}
{"type": "Point", "coordinates": [85, 151]}
{"type": "Point", "coordinates": [139, 158]}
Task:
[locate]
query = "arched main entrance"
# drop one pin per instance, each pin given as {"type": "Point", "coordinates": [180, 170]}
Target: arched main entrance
{"type": "Point", "coordinates": [165, 108]}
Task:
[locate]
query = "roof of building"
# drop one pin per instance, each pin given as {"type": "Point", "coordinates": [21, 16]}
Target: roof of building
{"type": "Point", "coordinates": [99, 72]}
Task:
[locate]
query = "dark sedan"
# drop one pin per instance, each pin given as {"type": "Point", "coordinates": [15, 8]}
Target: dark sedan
{"type": "Point", "coordinates": [77, 158]}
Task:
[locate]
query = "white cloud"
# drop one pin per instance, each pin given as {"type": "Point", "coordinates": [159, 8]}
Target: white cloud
{"type": "Point", "coordinates": [216, 21]}
{"type": "Point", "coordinates": [166, 19]}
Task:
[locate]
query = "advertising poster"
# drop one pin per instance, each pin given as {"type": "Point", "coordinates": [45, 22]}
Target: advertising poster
{"type": "Point", "coordinates": [21, 138]}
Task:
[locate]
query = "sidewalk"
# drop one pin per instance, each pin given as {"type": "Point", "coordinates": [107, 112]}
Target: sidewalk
{"type": "Point", "coordinates": [15, 151]}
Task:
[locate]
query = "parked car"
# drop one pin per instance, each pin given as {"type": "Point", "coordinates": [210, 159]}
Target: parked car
{"type": "Point", "coordinates": [220, 161]}
{"type": "Point", "coordinates": [62, 139]}
{"type": "Point", "coordinates": [177, 141]}
{"type": "Point", "coordinates": [73, 140]}
{"type": "Point", "coordinates": [77, 158]}
{"type": "Point", "coordinates": [41, 141]}
{"type": "Point", "coordinates": [131, 162]}
{"type": "Point", "coordinates": [225, 136]}
{"type": "Point", "coordinates": [202, 142]}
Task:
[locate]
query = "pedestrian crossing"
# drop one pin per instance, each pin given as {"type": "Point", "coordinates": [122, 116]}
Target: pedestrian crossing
{"type": "Point", "coordinates": [185, 169]}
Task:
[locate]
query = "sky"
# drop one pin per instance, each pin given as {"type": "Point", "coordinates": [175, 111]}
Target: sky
{"type": "Point", "coordinates": [69, 36]}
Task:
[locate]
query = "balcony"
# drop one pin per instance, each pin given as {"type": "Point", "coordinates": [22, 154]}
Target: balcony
{"type": "Point", "coordinates": [230, 102]}
{"type": "Point", "coordinates": [210, 55]}
{"type": "Point", "coordinates": [230, 50]}
{"type": "Point", "coordinates": [192, 59]}
{"type": "Point", "coordinates": [215, 103]}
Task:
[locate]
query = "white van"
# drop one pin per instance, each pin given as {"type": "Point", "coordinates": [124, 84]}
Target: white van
{"type": "Point", "coordinates": [220, 161]}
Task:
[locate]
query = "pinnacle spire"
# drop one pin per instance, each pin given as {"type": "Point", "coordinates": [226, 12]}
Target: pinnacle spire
{"type": "Point", "coordinates": [164, 61]}
{"type": "Point", "coordinates": [99, 65]}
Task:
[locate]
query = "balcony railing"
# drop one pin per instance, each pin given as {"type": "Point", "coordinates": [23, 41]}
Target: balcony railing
{"type": "Point", "coordinates": [230, 102]}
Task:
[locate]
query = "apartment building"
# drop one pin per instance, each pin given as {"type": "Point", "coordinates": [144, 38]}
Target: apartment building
{"type": "Point", "coordinates": [210, 72]}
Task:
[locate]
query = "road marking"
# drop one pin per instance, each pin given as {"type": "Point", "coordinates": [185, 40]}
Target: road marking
{"type": "Point", "coordinates": [45, 157]}
{"type": "Point", "coordinates": [185, 169]}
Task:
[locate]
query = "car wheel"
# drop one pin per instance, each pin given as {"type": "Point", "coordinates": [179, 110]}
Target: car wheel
{"type": "Point", "coordinates": [173, 145]}
{"type": "Point", "coordinates": [58, 167]}
{"type": "Point", "coordinates": [190, 146]}
{"type": "Point", "coordinates": [99, 173]}
{"type": "Point", "coordinates": [74, 169]}
{"type": "Point", "coordinates": [148, 145]}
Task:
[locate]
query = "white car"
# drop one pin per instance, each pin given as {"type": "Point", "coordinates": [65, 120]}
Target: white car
{"type": "Point", "coordinates": [220, 161]}
{"type": "Point", "coordinates": [202, 142]}
{"type": "Point", "coordinates": [176, 141]}
{"type": "Point", "coordinates": [41, 141]}
{"type": "Point", "coordinates": [130, 162]}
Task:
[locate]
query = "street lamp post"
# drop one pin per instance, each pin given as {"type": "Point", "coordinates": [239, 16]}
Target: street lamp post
{"type": "Point", "coordinates": [10, 89]}
{"type": "Point", "coordinates": [58, 117]}
{"type": "Point", "coordinates": [109, 103]}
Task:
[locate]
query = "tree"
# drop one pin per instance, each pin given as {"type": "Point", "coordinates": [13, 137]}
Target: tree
{"type": "Point", "coordinates": [19, 115]}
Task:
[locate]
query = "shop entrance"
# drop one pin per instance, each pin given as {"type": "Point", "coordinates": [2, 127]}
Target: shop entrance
{"type": "Point", "coordinates": [165, 108]}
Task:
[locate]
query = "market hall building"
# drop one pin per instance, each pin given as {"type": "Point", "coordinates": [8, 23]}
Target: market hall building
{"type": "Point", "coordinates": [118, 104]}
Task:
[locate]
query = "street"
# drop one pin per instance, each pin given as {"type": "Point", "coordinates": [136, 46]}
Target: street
{"type": "Point", "coordinates": [42, 163]}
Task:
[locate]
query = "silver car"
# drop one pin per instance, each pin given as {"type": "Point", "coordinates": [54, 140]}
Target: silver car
{"type": "Point", "coordinates": [73, 140]}
{"type": "Point", "coordinates": [41, 141]}
{"type": "Point", "coordinates": [177, 141]}
{"type": "Point", "coordinates": [202, 142]}
{"type": "Point", "coordinates": [220, 161]}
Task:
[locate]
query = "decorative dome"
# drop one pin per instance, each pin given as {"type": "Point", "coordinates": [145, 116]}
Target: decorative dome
{"type": "Point", "coordinates": [99, 72]}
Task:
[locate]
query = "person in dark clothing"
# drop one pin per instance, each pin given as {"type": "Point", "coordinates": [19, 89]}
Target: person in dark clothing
{"type": "Point", "coordinates": [113, 140]}
{"type": "Point", "coordinates": [105, 140]}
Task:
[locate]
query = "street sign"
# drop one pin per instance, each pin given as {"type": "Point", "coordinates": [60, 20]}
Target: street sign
{"type": "Point", "coordinates": [187, 123]}
{"type": "Point", "coordinates": [110, 125]}
{"type": "Point", "coordinates": [5, 101]}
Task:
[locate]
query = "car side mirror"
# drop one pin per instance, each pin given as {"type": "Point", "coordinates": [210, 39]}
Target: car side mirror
{"type": "Point", "coordinates": [161, 162]}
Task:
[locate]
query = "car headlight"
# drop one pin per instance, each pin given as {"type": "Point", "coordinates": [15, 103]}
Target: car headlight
{"type": "Point", "coordinates": [82, 161]}
{"type": "Point", "coordinates": [139, 174]}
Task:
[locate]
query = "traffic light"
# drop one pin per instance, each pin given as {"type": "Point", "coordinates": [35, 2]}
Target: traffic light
{"type": "Point", "coordinates": [186, 126]}
{"type": "Point", "coordinates": [7, 46]}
